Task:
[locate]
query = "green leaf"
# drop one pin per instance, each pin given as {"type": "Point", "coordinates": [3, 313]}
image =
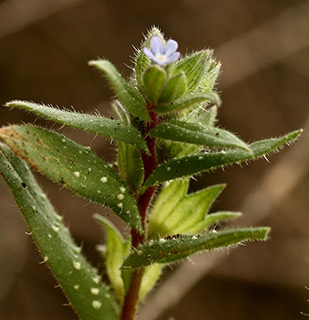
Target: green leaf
{"type": "Point", "coordinates": [204, 117]}
{"type": "Point", "coordinates": [193, 67]}
{"type": "Point", "coordinates": [182, 246]}
{"type": "Point", "coordinates": [194, 164]}
{"type": "Point", "coordinates": [130, 165]}
{"type": "Point", "coordinates": [213, 219]}
{"type": "Point", "coordinates": [150, 278]}
{"type": "Point", "coordinates": [210, 77]}
{"type": "Point", "coordinates": [126, 93]}
{"type": "Point", "coordinates": [165, 203]}
{"type": "Point", "coordinates": [116, 251]}
{"type": "Point", "coordinates": [174, 89]}
{"type": "Point", "coordinates": [142, 62]}
{"type": "Point", "coordinates": [107, 127]}
{"type": "Point", "coordinates": [154, 79]}
{"type": "Point", "coordinates": [90, 298]}
{"type": "Point", "coordinates": [196, 133]}
{"type": "Point", "coordinates": [188, 101]}
{"type": "Point", "coordinates": [73, 166]}
{"type": "Point", "coordinates": [189, 211]}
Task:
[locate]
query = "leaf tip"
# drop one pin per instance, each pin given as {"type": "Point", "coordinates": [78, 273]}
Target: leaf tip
{"type": "Point", "coordinates": [264, 233]}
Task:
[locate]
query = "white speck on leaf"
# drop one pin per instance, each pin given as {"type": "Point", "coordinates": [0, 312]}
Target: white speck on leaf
{"type": "Point", "coordinates": [96, 279]}
{"type": "Point", "coordinates": [104, 179]}
{"type": "Point", "coordinates": [55, 228]}
{"type": "Point", "coordinates": [94, 291]}
{"type": "Point", "coordinates": [120, 196]}
{"type": "Point", "coordinates": [77, 265]}
{"type": "Point", "coordinates": [96, 304]}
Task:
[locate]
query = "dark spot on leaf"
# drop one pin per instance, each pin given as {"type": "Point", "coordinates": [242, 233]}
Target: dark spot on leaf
{"type": "Point", "coordinates": [217, 133]}
{"type": "Point", "coordinates": [23, 184]}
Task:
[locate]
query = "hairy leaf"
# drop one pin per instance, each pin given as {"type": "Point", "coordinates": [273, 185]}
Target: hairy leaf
{"type": "Point", "coordinates": [174, 89]}
{"type": "Point", "coordinates": [150, 278]}
{"type": "Point", "coordinates": [196, 133]}
{"type": "Point", "coordinates": [126, 93]}
{"type": "Point", "coordinates": [182, 246]}
{"type": "Point", "coordinates": [188, 101]}
{"type": "Point", "coordinates": [213, 219]}
{"type": "Point", "coordinates": [189, 211]}
{"type": "Point", "coordinates": [194, 164]}
{"type": "Point", "coordinates": [107, 127]}
{"type": "Point", "coordinates": [130, 165]}
{"type": "Point", "coordinates": [194, 67]}
{"type": "Point", "coordinates": [167, 200]}
{"type": "Point", "coordinates": [81, 283]}
{"type": "Point", "coordinates": [73, 166]}
{"type": "Point", "coordinates": [154, 79]}
{"type": "Point", "coordinates": [210, 77]}
{"type": "Point", "coordinates": [205, 117]}
{"type": "Point", "coordinates": [116, 251]}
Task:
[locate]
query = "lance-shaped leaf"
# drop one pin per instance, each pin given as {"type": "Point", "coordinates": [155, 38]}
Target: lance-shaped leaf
{"type": "Point", "coordinates": [188, 101]}
{"type": "Point", "coordinates": [212, 219]}
{"type": "Point", "coordinates": [81, 283]}
{"type": "Point", "coordinates": [73, 166]}
{"type": "Point", "coordinates": [182, 246]}
{"type": "Point", "coordinates": [154, 79]}
{"type": "Point", "coordinates": [116, 251]}
{"type": "Point", "coordinates": [196, 133]}
{"type": "Point", "coordinates": [126, 93]}
{"type": "Point", "coordinates": [181, 216]}
{"type": "Point", "coordinates": [194, 164]}
{"type": "Point", "coordinates": [107, 127]}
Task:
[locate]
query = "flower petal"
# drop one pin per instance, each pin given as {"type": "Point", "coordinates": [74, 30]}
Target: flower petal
{"type": "Point", "coordinates": [170, 47]}
{"type": "Point", "coordinates": [148, 53]}
{"type": "Point", "coordinates": [156, 45]}
{"type": "Point", "coordinates": [174, 57]}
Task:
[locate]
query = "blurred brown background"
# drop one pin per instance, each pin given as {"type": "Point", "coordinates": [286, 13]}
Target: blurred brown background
{"type": "Point", "coordinates": [263, 46]}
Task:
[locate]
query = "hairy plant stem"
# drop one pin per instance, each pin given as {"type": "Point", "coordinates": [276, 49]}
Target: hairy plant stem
{"type": "Point", "coordinates": [143, 200]}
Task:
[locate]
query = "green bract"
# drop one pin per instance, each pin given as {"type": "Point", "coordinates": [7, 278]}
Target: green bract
{"type": "Point", "coordinates": [165, 131]}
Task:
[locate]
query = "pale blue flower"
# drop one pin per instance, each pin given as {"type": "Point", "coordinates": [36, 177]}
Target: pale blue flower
{"type": "Point", "coordinates": [161, 54]}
